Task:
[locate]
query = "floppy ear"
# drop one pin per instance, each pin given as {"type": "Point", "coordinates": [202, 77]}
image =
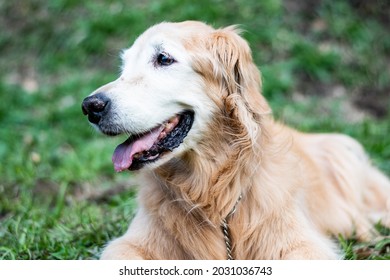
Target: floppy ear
{"type": "Point", "coordinates": [233, 66]}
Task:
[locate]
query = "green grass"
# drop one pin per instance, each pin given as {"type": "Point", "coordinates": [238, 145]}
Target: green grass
{"type": "Point", "coordinates": [56, 176]}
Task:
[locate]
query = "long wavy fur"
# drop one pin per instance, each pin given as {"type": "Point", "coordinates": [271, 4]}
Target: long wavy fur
{"type": "Point", "coordinates": [290, 181]}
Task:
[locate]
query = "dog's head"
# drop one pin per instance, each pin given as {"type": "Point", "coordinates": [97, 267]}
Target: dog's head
{"type": "Point", "coordinates": [176, 79]}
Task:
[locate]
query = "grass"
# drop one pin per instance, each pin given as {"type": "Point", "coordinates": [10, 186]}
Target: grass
{"type": "Point", "coordinates": [325, 68]}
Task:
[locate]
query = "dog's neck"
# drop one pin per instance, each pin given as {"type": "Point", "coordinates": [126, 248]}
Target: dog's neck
{"type": "Point", "coordinates": [201, 188]}
{"type": "Point", "coordinates": [206, 197]}
{"type": "Point", "coordinates": [210, 179]}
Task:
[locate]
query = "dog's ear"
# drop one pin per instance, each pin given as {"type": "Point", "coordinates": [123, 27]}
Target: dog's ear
{"type": "Point", "coordinates": [233, 66]}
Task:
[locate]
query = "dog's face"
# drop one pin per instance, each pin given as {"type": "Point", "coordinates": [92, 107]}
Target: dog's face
{"type": "Point", "coordinates": [170, 87]}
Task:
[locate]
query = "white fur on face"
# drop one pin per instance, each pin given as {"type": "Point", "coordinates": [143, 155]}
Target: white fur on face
{"type": "Point", "coordinates": [147, 94]}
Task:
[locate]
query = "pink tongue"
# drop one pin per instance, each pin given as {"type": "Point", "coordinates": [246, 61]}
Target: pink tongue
{"type": "Point", "coordinates": [124, 153]}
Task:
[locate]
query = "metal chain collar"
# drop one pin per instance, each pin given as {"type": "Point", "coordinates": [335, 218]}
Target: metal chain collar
{"type": "Point", "coordinates": [226, 232]}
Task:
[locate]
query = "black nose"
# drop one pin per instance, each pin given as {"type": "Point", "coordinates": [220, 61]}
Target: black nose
{"type": "Point", "coordinates": [95, 107]}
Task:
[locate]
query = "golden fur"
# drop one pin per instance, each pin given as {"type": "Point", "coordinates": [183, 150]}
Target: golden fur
{"type": "Point", "coordinates": [298, 190]}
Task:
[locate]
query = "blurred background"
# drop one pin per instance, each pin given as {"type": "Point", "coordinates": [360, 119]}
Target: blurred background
{"type": "Point", "coordinates": [325, 66]}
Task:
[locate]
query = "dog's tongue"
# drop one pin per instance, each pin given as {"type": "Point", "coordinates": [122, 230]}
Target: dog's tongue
{"type": "Point", "coordinates": [124, 153]}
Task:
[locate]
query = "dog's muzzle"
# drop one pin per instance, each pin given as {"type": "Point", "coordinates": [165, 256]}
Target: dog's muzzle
{"type": "Point", "coordinates": [140, 148]}
{"type": "Point", "coordinates": [95, 106]}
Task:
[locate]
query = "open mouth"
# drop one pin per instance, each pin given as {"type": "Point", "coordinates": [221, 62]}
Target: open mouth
{"type": "Point", "coordinates": [148, 147]}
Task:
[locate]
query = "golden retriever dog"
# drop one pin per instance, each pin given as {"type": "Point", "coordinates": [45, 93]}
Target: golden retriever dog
{"type": "Point", "coordinates": [219, 177]}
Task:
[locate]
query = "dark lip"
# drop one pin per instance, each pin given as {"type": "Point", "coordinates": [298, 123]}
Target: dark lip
{"type": "Point", "coordinates": [169, 143]}
{"type": "Point", "coordinates": [138, 164]}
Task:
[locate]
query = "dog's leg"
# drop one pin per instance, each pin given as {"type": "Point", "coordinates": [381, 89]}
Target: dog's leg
{"type": "Point", "coordinates": [122, 249]}
{"type": "Point", "coordinates": [300, 240]}
{"type": "Point", "coordinates": [145, 239]}
{"type": "Point", "coordinates": [130, 245]}
{"type": "Point", "coordinates": [306, 243]}
{"type": "Point", "coordinates": [312, 247]}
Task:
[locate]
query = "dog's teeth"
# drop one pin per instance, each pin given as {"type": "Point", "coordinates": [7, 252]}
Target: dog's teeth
{"type": "Point", "coordinates": [162, 135]}
{"type": "Point", "coordinates": [137, 156]}
{"type": "Point", "coordinates": [169, 127]}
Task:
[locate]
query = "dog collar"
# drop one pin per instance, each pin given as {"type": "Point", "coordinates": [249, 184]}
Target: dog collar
{"type": "Point", "coordinates": [226, 231]}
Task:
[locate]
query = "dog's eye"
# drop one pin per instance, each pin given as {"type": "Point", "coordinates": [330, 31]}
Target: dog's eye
{"type": "Point", "coordinates": [164, 59]}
